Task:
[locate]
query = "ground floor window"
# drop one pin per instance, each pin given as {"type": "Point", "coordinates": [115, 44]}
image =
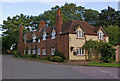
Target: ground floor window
{"type": "Point", "coordinates": [44, 51]}
{"type": "Point", "coordinates": [52, 51]}
{"type": "Point", "coordinates": [38, 51]}
{"type": "Point", "coordinates": [24, 51]}
{"type": "Point", "coordinates": [34, 52]}
{"type": "Point", "coordinates": [29, 52]}
{"type": "Point", "coordinates": [80, 51]}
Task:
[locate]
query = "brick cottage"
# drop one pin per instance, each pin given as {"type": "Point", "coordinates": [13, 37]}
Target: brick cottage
{"type": "Point", "coordinates": [68, 38]}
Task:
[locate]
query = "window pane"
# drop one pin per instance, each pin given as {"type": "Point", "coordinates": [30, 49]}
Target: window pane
{"type": "Point", "coordinates": [82, 51]}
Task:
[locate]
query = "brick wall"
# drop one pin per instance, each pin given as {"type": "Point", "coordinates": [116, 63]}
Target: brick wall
{"type": "Point", "coordinates": [117, 53]}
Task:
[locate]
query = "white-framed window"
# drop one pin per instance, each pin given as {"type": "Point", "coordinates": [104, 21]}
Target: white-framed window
{"type": "Point", "coordinates": [53, 34]}
{"type": "Point", "coordinates": [80, 51]}
{"type": "Point", "coordinates": [34, 37]}
{"type": "Point", "coordinates": [38, 40]}
{"type": "Point", "coordinates": [24, 51]}
{"type": "Point", "coordinates": [39, 51]}
{"type": "Point", "coordinates": [100, 36]}
{"type": "Point", "coordinates": [34, 51]}
{"type": "Point", "coordinates": [80, 34]}
{"type": "Point", "coordinates": [44, 51]}
{"type": "Point", "coordinates": [44, 36]}
{"type": "Point", "coordinates": [53, 51]}
{"type": "Point", "coordinates": [29, 52]}
{"type": "Point", "coordinates": [34, 40]}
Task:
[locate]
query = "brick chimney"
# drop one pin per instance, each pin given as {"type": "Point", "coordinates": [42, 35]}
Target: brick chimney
{"type": "Point", "coordinates": [41, 25]}
{"type": "Point", "coordinates": [58, 21]}
{"type": "Point", "coordinates": [20, 42]}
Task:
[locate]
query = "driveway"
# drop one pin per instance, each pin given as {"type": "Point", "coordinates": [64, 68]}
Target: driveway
{"type": "Point", "coordinates": [14, 68]}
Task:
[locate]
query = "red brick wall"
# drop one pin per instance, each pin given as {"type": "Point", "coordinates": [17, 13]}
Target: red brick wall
{"type": "Point", "coordinates": [117, 53]}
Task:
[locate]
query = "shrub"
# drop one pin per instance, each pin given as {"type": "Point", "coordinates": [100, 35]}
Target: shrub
{"type": "Point", "coordinates": [48, 57]}
{"type": "Point", "coordinates": [57, 59]}
{"type": "Point", "coordinates": [33, 56]}
{"type": "Point", "coordinates": [57, 53]}
{"type": "Point", "coordinates": [16, 53]}
{"type": "Point", "coordinates": [38, 58]}
{"type": "Point", "coordinates": [107, 52]}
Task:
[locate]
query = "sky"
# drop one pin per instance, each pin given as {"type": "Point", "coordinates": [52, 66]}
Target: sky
{"type": "Point", "coordinates": [37, 7]}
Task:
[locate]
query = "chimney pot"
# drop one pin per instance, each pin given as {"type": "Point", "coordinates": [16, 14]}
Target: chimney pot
{"type": "Point", "coordinates": [58, 12]}
{"type": "Point", "coordinates": [42, 23]}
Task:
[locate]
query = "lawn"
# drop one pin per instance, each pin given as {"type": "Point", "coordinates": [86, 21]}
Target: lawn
{"type": "Point", "coordinates": [103, 64]}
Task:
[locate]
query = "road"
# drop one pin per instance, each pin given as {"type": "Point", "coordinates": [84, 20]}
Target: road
{"type": "Point", "coordinates": [14, 68]}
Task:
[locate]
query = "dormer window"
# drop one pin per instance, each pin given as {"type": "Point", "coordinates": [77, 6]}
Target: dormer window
{"type": "Point", "coordinates": [80, 34]}
{"type": "Point", "coordinates": [100, 35]}
{"type": "Point", "coordinates": [34, 37]}
{"type": "Point", "coordinates": [44, 35]}
{"type": "Point", "coordinates": [53, 34]}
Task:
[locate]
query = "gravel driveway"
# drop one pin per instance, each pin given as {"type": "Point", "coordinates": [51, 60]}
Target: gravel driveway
{"type": "Point", "coordinates": [14, 68]}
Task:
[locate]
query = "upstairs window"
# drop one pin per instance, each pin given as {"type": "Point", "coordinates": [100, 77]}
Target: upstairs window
{"type": "Point", "coordinates": [80, 34]}
{"type": "Point", "coordinates": [53, 34]}
{"type": "Point", "coordinates": [34, 37]}
{"type": "Point", "coordinates": [80, 51]}
{"type": "Point", "coordinates": [100, 36]}
{"type": "Point", "coordinates": [44, 35]}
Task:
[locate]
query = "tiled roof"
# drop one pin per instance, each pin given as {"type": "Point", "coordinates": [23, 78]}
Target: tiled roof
{"type": "Point", "coordinates": [68, 27]}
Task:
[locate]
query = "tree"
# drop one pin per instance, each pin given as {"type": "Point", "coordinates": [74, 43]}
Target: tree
{"type": "Point", "coordinates": [109, 17]}
{"type": "Point", "coordinates": [114, 34]}
{"type": "Point", "coordinates": [91, 16]}
{"type": "Point", "coordinates": [93, 48]}
{"type": "Point", "coordinates": [107, 52]}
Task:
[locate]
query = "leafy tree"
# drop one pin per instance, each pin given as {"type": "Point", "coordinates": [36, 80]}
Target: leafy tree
{"type": "Point", "coordinates": [92, 47]}
{"type": "Point", "coordinates": [109, 17]}
{"type": "Point", "coordinates": [91, 16]}
{"type": "Point", "coordinates": [114, 34]}
{"type": "Point", "coordinates": [107, 52]}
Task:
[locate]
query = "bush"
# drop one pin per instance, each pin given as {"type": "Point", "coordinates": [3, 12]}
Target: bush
{"type": "Point", "coordinates": [33, 56]}
{"type": "Point", "coordinates": [17, 54]}
{"type": "Point", "coordinates": [57, 53]}
{"type": "Point", "coordinates": [57, 59]}
{"type": "Point", "coordinates": [107, 52]}
{"type": "Point", "coordinates": [48, 57]}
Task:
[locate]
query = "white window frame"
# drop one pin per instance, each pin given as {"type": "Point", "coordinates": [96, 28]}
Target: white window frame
{"type": "Point", "coordinates": [34, 37]}
{"type": "Point", "coordinates": [53, 34]}
{"type": "Point", "coordinates": [39, 51]}
{"type": "Point", "coordinates": [53, 51]}
{"type": "Point", "coordinates": [80, 34]}
{"type": "Point", "coordinates": [33, 51]}
{"type": "Point", "coordinates": [38, 40]}
{"type": "Point", "coordinates": [100, 36]}
{"type": "Point", "coordinates": [29, 52]}
{"type": "Point", "coordinates": [44, 36]}
{"type": "Point", "coordinates": [24, 51]}
{"type": "Point", "coordinates": [44, 52]}
{"type": "Point", "coordinates": [80, 51]}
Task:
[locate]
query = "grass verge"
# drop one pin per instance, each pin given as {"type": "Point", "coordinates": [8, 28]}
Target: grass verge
{"type": "Point", "coordinates": [103, 64]}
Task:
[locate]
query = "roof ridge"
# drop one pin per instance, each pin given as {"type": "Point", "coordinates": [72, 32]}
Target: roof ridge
{"type": "Point", "coordinates": [71, 25]}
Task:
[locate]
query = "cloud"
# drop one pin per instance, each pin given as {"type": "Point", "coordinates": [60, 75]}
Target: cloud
{"type": "Point", "coordinates": [60, 1]}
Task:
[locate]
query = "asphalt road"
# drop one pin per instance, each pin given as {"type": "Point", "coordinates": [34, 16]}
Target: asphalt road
{"type": "Point", "coordinates": [14, 68]}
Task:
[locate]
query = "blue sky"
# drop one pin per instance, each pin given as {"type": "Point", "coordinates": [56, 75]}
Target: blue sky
{"type": "Point", "coordinates": [36, 7]}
